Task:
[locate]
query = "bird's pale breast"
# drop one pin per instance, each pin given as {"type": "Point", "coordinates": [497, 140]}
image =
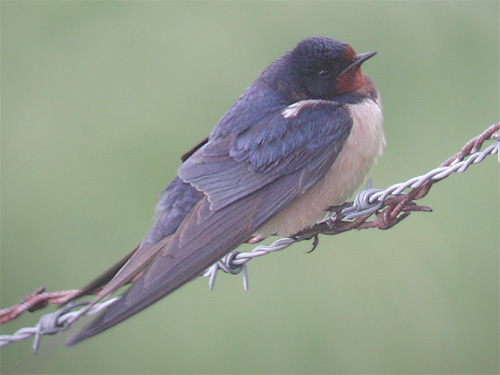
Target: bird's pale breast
{"type": "Point", "coordinates": [364, 144]}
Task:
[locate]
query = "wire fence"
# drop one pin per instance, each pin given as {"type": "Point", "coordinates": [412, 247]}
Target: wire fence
{"type": "Point", "coordinates": [372, 208]}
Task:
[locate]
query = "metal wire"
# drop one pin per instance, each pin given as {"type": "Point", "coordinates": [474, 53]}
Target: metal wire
{"type": "Point", "coordinates": [54, 322]}
{"type": "Point", "coordinates": [366, 202]}
{"type": "Point", "coordinates": [235, 262]}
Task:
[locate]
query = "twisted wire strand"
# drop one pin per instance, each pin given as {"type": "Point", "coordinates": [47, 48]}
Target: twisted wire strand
{"type": "Point", "coordinates": [235, 262]}
{"type": "Point", "coordinates": [437, 174]}
{"type": "Point", "coordinates": [52, 323]}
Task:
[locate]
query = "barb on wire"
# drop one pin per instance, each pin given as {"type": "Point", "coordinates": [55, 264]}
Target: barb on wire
{"type": "Point", "coordinates": [235, 262]}
{"type": "Point", "coordinates": [387, 206]}
{"type": "Point", "coordinates": [54, 322]}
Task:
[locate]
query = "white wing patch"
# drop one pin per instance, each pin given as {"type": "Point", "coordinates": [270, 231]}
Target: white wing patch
{"type": "Point", "coordinates": [293, 109]}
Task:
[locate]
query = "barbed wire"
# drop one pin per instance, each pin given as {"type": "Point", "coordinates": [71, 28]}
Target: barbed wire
{"type": "Point", "coordinates": [388, 206]}
{"type": "Point", "coordinates": [54, 322]}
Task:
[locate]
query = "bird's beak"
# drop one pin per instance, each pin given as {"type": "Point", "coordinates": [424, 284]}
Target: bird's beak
{"type": "Point", "coordinates": [358, 60]}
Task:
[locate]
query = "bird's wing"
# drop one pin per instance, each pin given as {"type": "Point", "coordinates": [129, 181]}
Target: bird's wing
{"type": "Point", "coordinates": [246, 179]}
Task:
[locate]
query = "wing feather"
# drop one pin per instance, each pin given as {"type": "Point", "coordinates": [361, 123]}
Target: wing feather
{"type": "Point", "coordinates": [229, 168]}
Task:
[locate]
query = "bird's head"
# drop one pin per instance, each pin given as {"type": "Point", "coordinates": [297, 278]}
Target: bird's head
{"type": "Point", "coordinates": [325, 67]}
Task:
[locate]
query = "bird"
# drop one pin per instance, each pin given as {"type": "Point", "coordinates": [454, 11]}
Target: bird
{"type": "Point", "coordinates": [300, 139]}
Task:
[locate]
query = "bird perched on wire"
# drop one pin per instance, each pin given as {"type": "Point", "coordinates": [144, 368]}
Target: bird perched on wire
{"type": "Point", "coordinates": [301, 138]}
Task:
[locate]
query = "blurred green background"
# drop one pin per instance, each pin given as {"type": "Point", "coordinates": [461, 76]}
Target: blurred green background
{"type": "Point", "coordinates": [99, 100]}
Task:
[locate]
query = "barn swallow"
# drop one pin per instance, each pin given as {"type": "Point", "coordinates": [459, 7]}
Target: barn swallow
{"type": "Point", "coordinates": [300, 139]}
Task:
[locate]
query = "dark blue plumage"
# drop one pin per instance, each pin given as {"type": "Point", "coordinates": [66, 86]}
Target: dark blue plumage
{"type": "Point", "coordinates": [283, 145]}
{"type": "Point", "coordinates": [278, 143]}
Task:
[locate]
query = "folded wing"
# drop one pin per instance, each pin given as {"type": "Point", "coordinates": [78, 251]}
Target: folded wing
{"type": "Point", "coordinates": [245, 179]}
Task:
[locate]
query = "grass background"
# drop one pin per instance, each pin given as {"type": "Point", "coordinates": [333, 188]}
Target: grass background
{"type": "Point", "coordinates": [99, 100]}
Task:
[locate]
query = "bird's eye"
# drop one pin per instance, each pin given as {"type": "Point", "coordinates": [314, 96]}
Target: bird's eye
{"type": "Point", "coordinates": [324, 73]}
